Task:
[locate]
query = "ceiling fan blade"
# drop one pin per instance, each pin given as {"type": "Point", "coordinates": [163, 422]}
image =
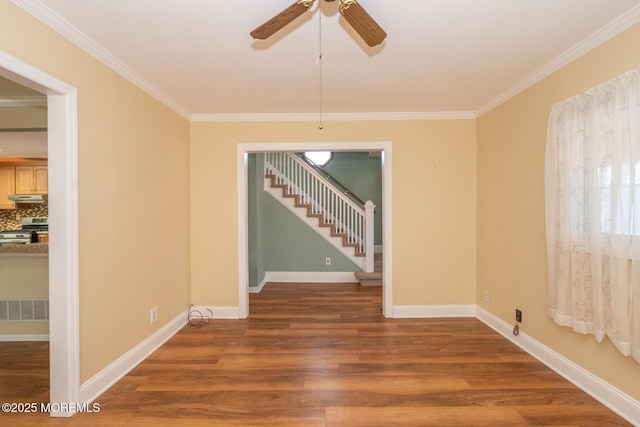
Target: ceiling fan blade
{"type": "Point", "coordinates": [362, 22]}
{"type": "Point", "coordinates": [281, 20]}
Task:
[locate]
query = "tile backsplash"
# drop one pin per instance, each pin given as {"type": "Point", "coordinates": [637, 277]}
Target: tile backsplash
{"type": "Point", "coordinates": [10, 219]}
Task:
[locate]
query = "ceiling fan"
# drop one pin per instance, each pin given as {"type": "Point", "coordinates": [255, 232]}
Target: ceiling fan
{"type": "Point", "coordinates": [353, 13]}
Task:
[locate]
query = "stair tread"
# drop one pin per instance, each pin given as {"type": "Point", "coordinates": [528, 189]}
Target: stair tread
{"type": "Point", "coordinates": [377, 282]}
{"type": "Point", "coordinates": [361, 275]}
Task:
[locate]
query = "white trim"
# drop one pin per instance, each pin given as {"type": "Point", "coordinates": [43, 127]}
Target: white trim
{"type": "Point", "coordinates": [63, 213]}
{"type": "Point", "coordinates": [243, 232]}
{"type": "Point", "coordinates": [242, 151]}
{"type": "Point", "coordinates": [24, 337]}
{"type": "Point", "coordinates": [87, 44]}
{"type": "Point", "coordinates": [613, 398]}
{"type": "Point", "coordinates": [433, 311]}
{"type": "Point", "coordinates": [257, 289]}
{"type": "Point", "coordinates": [387, 241]}
{"type": "Point", "coordinates": [337, 117]}
{"type": "Point", "coordinates": [604, 34]}
{"type": "Point", "coordinates": [54, 21]}
{"type": "Point", "coordinates": [106, 378]}
{"type": "Point", "coordinates": [62, 26]}
{"type": "Point", "coordinates": [64, 312]}
{"type": "Point", "coordinates": [219, 312]}
{"type": "Point", "coordinates": [310, 277]}
{"type": "Point", "coordinates": [306, 277]}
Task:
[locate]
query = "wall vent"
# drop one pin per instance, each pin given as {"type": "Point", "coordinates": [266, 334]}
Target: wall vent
{"type": "Point", "coordinates": [24, 310]}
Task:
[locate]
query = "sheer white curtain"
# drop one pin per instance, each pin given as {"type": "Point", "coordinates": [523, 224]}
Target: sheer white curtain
{"type": "Point", "coordinates": [592, 179]}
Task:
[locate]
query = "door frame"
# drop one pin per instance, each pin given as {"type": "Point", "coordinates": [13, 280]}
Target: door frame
{"type": "Point", "coordinates": [62, 146]}
{"type": "Point", "coordinates": [244, 149]}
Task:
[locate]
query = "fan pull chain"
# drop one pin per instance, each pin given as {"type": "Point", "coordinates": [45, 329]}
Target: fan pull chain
{"type": "Point", "coordinates": [319, 62]}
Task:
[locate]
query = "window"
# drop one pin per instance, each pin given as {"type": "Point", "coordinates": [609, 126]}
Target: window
{"type": "Point", "coordinates": [592, 195]}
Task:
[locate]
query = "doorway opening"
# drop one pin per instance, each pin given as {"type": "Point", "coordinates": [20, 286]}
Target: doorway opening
{"type": "Point", "coordinates": [243, 150]}
{"type": "Point", "coordinates": [64, 379]}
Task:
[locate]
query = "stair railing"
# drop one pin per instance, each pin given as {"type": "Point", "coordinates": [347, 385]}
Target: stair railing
{"type": "Point", "coordinates": [349, 219]}
{"type": "Point", "coordinates": [345, 190]}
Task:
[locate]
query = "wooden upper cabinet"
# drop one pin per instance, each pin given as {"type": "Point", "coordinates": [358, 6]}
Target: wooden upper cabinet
{"type": "Point", "coordinates": [41, 173]}
{"type": "Point", "coordinates": [32, 179]}
{"type": "Point", "coordinates": [7, 186]}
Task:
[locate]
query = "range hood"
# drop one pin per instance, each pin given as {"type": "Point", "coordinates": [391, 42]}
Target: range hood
{"type": "Point", "coordinates": [29, 198]}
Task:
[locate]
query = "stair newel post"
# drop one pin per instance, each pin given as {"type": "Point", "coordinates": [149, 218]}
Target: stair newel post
{"type": "Point", "coordinates": [369, 209]}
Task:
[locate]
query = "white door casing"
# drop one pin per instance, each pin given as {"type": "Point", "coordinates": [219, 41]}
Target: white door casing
{"type": "Point", "coordinates": [62, 148]}
{"type": "Point", "coordinates": [244, 149]}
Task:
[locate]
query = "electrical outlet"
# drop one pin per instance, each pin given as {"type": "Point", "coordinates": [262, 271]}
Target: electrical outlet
{"type": "Point", "coordinates": [486, 296]}
{"type": "Point", "coordinates": [518, 316]}
{"type": "Point", "coordinates": [154, 314]}
{"type": "Point", "coordinates": [327, 261]}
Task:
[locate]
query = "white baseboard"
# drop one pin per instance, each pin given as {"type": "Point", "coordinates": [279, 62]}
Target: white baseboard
{"type": "Point", "coordinates": [305, 277]}
{"type": "Point", "coordinates": [257, 289]}
{"type": "Point", "coordinates": [429, 311]}
{"type": "Point", "coordinates": [219, 312]}
{"type": "Point", "coordinates": [619, 402]}
{"type": "Point", "coordinates": [103, 380]}
{"type": "Point", "coordinates": [24, 337]}
{"type": "Point", "coordinates": [310, 277]}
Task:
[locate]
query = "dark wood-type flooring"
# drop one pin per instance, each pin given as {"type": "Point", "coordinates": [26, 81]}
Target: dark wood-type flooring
{"type": "Point", "coordinates": [321, 355]}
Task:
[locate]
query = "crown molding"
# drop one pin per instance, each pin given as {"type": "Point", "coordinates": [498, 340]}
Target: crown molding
{"type": "Point", "coordinates": [311, 117]}
{"type": "Point", "coordinates": [599, 37]}
{"type": "Point", "coordinates": [63, 27]}
{"type": "Point", "coordinates": [23, 101]}
{"type": "Point", "coordinates": [73, 34]}
{"type": "Point", "coordinates": [77, 37]}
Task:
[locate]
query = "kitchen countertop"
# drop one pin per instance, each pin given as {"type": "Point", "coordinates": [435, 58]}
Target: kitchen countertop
{"type": "Point", "coordinates": [29, 248]}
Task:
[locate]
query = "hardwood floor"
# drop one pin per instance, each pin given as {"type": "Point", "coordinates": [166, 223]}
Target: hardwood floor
{"type": "Point", "coordinates": [24, 372]}
{"type": "Point", "coordinates": [323, 355]}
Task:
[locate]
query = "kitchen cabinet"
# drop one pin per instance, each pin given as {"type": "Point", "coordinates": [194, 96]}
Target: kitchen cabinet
{"type": "Point", "coordinates": [7, 186]}
{"type": "Point", "coordinates": [32, 179]}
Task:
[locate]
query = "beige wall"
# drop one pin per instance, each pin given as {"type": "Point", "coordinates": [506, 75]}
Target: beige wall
{"type": "Point", "coordinates": [23, 117]}
{"type": "Point", "coordinates": [511, 233]}
{"type": "Point", "coordinates": [434, 203]}
{"type": "Point", "coordinates": [133, 195]}
{"type": "Point", "coordinates": [134, 179]}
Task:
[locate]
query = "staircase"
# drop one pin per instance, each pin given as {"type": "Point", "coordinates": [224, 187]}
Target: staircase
{"type": "Point", "coordinates": [339, 220]}
{"type": "Point", "coordinates": [374, 278]}
{"type": "Point", "coordinates": [334, 229]}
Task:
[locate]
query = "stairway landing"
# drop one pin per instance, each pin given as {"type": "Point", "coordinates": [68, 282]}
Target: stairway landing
{"type": "Point", "coordinates": [372, 279]}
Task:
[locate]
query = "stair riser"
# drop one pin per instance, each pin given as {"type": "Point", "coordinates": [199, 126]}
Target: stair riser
{"type": "Point", "coordinates": [371, 283]}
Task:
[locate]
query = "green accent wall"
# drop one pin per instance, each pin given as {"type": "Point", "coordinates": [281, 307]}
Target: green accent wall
{"type": "Point", "coordinates": [280, 241]}
{"type": "Point", "coordinates": [291, 245]}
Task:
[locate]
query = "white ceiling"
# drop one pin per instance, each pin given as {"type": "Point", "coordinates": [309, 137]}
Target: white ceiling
{"type": "Point", "coordinates": [441, 57]}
